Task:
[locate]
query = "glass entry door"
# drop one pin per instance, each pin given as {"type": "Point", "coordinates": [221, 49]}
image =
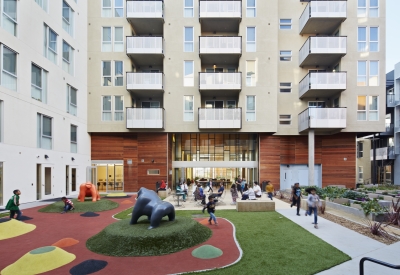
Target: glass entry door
{"type": "Point", "coordinates": [109, 177]}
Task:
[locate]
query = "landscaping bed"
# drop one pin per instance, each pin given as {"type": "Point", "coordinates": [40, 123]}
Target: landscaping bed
{"type": "Point", "coordinates": [87, 206]}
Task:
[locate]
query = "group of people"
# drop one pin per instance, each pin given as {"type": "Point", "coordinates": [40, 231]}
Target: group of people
{"type": "Point", "coordinates": [249, 193]}
{"type": "Point", "coordinates": [313, 202]}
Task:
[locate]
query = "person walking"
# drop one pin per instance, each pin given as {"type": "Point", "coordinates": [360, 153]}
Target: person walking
{"type": "Point", "coordinates": [13, 205]}
{"type": "Point", "coordinates": [211, 209]}
{"type": "Point", "coordinates": [313, 202]}
{"type": "Point", "coordinates": [269, 188]}
{"type": "Point", "coordinates": [234, 193]}
{"type": "Point", "coordinates": [239, 188]}
{"type": "Point", "coordinates": [296, 197]}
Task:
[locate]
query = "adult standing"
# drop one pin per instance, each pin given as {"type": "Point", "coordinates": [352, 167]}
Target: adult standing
{"type": "Point", "coordinates": [296, 197]}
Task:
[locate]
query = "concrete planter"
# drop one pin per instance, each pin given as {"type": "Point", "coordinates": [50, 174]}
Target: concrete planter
{"type": "Point", "coordinates": [355, 211]}
{"type": "Point", "coordinates": [356, 205]}
{"type": "Point", "coordinates": [341, 200]}
{"type": "Point", "coordinates": [304, 205]}
{"type": "Point", "coordinates": [373, 196]}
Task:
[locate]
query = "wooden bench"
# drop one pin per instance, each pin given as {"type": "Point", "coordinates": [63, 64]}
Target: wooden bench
{"type": "Point", "coordinates": [255, 206]}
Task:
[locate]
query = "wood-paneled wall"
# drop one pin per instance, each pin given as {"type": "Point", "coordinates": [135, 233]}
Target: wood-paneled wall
{"type": "Point", "coordinates": [330, 151]}
{"type": "Point", "coordinates": [141, 148]}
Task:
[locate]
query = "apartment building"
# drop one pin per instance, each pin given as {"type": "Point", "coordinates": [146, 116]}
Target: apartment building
{"type": "Point", "coordinates": [266, 90]}
{"type": "Point", "coordinates": [44, 144]}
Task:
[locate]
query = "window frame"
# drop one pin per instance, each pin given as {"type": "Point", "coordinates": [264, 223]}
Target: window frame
{"type": "Point", "coordinates": [116, 76]}
{"type": "Point", "coordinates": [119, 111]}
{"type": "Point", "coordinates": [117, 42]}
{"type": "Point", "coordinates": [369, 102]}
{"type": "Point", "coordinates": [106, 111]}
{"type": "Point", "coordinates": [69, 101]}
{"type": "Point", "coordinates": [113, 111]}
{"type": "Point", "coordinates": [370, 41]}
{"type": "Point", "coordinates": [69, 22]}
{"type": "Point", "coordinates": [44, 5]}
{"type": "Point", "coordinates": [188, 8]}
{"type": "Point", "coordinates": [370, 75]}
{"type": "Point", "coordinates": [186, 42]}
{"type": "Point", "coordinates": [68, 65]}
{"type": "Point", "coordinates": [76, 138]}
{"type": "Point", "coordinates": [360, 172]}
{"type": "Point", "coordinates": [373, 7]}
{"type": "Point", "coordinates": [359, 111]}
{"type": "Point", "coordinates": [188, 111]}
{"type": "Point", "coordinates": [112, 8]}
{"type": "Point", "coordinates": [48, 48]}
{"type": "Point", "coordinates": [360, 153]}
{"type": "Point", "coordinates": [284, 87]}
{"type": "Point", "coordinates": [3, 14]}
{"type": "Point", "coordinates": [362, 75]}
{"type": "Point", "coordinates": [248, 111]}
{"type": "Point", "coordinates": [282, 25]}
{"type": "Point", "coordinates": [106, 76]}
{"type": "Point", "coordinates": [251, 8]}
{"type": "Point", "coordinates": [41, 134]}
{"type": "Point", "coordinates": [251, 42]}
{"type": "Point", "coordinates": [2, 70]}
{"type": "Point", "coordinates": [44, 82]}
{"type": "Point", "coordinates": [362, 42]}
{"type": "Point", "coordinates": [253, 78]}
{"type": "Point", "coordinates": [361, 8]}
{"type": "Point", "coordinates": [104, 42]}
{"type": "Point", "coordinates": [284, 57]}
{"type": "Point", "coordinates": [188, 81]}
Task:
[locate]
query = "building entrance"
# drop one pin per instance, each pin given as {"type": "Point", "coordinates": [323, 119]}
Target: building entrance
{"type": "Point", "coordinates": [108, 177]}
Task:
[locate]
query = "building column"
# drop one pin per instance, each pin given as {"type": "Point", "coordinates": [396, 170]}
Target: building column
{"type": "Point", "coordinates": [311, 161]}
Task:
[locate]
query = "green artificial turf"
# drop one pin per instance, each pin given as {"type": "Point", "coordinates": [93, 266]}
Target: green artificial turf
{"type": "Point", "coordinates": [86, 206]}
{"type": "Point", "coordinates": [123, 239]}
{"type": "Point", "coordinates": [4, 214]}
{"type": "Point", "coordinates": [272, 244]}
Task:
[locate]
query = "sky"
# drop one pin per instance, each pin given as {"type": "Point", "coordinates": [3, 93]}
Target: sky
{"type": "Point", "coordinates": [392, 34]}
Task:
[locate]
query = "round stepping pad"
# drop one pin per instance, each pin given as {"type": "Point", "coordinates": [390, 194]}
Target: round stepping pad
{"type": "Point", "coordinates": [207, 252]}
{"type": "Point", "coordinates": [89, 214]}
{"type": "Point", "coordinates": [88, 267]}
{"type": "Point", "coordinates": [65, 242]}
{"type": "Point", "coordinates": [39, 260]}
{"type": "Point", "coordinates": [127, 202]}
{"type": "Point", "coordinates": [14, 228]}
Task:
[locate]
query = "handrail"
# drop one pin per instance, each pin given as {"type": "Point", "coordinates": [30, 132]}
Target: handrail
{"type": "Point", "coordinates": [377, 262]}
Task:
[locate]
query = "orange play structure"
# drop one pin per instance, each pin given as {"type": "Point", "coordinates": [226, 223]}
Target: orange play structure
{"type": "Point", "coordinates": [88, 189]}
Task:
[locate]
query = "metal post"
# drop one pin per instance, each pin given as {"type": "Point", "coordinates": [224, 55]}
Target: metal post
{"type": "Point", "coordinates": [374, 181]}
{"type": "Point", "coordinates": [311, 142]}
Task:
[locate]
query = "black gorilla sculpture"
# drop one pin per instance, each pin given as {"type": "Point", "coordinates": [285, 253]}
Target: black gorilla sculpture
{"type": "Point", "coordinates": [148, 203]}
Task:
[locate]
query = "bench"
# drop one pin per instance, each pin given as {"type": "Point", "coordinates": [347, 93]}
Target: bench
{"type": "Point", "coordinates": [255, 206]}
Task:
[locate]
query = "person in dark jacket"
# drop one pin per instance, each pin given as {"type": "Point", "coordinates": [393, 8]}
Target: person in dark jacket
{"type": "Point", "coordinates": [211, 209]}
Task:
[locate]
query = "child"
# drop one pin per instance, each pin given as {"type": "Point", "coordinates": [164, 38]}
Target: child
{"type": "Point", "coordinates": [68, 205]}
{"type": "Point", "coordinates": [313, 202]}
{"type": "Point", "coordinates": [211, 209]}
{"type": "Point", "coordinates": [270, 189]}
{"type": "Point", "coordinates": [234, 193]}
{"type": "Point", "coordinates": [13, 204]}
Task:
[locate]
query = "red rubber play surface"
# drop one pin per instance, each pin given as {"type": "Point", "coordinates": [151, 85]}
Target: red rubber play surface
{"type": "Point", "coordinates": [53, 227]}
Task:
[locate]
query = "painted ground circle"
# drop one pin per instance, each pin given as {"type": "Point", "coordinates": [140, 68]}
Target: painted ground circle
{"type": "Point", "coordinates": [207, 252]}
{"type": "Point", "coordinates": [123, 239]}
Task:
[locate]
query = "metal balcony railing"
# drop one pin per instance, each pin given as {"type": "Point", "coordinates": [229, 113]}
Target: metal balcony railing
{"type": "Point", "coordinates": [148, 118]}
{"type": "Point", "coordinates": [144, 45]}
{"type": "Point", "coordinates": [222, 118]}
{"type": "Point", "coordinates": [322, 81]}
{"type": "Point", "coordinates": [220, 44]}
{"type": "Point", "coordinates": [323, 45]}
{"type": "Point", "coordinates": [322, 118]}
{"type": "Point", "coordinates": [220, 81]}
{"type": "Point", "coordinates": [144, 81]}
{"type": "Point", "coordinates": [144, 9]}
{"type": "Point", "coordinates": [220, 9]}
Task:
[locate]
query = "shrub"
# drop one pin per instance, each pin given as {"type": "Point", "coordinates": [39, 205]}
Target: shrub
{"type": "Point", "coordinates": [372, 206]}
{"type": "Point", "coordinates": [377, 229]}
{"type": "Point", "coordinates": [394, 213]}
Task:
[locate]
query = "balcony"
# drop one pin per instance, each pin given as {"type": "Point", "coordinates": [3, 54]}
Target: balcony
{"type": "Point", "coordinates": [220, 15]}
{"type": "Point", "coordinates": [390, 100]}
{"type": "Point", "coordinates": [389, 130]}
{"type": "Point", "coordinates": [219, 49]}
{"type": "Point", "coordinates": [145, 118]}
{"type": "Point", "coordinates": [224, 118]}
{"type": "Point", "coordinates": [220, 81]}
{"type": "Point", "coordinates": [322, 17]}
{"type": "Point", "coordinates": [145, 50]}
{"type": "Point", "coordinates": [383, 153]}
{"type": "Point", "coordinates": [322, 119]}
{"type": "Point", "coordinates": [317, 84]}
{"type": "Point", "coordinates": [144, 81]}
{"type": "Point", "coordinates": [322, 51]}
{"type": "Point", "coordinates": [146, 16]}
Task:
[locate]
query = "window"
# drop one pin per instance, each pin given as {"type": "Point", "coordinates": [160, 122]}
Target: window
{"type": "Point", "coordinates": [50, 44]}
{"type": "Point", "coordinates": [39, 83]}
{"type": "Point", "coordinates": [362, 39]}
{"type": "Point", "coordinates": [251, 8]}
{"type": "Point", "coordinates": [109, 5]}
{"type": "Point", "coordinates": [153, 171]}
{"type": "Point", "coordinates": [1, 122]}
{"type": "Point", "coordinates": [9, 16]}
{"type": "Point", "coordinates": [373, 39]}
{"type": "Point", "coordinates": [373, 8]}
{"type": "Point", "coordinates": [316, 104]}
{"type": "Point", "coordinates": [72, 100]}
{"type": "Point", "coordinates": [285, 24]}
{"type": "Point", "coordinates": [361, 108]}
{"type": "Point", "coordinates": [360, 172]}
{"type": "Point", "coordinates": [251, 39]}
{"type": "Point", "coordinates": [68, 58]}
{"type": "Point", "coordinates": [112, 108]}
{"type": "Point", "coordinates": [74, 139]}
{"type": "Point", "coordinates": [362, 73]}
{"type": "Point", "coordinates": [285, 119]}
{"type": "Point", "coordinates": [362, 8]}
{"type": "Point", "coordinates": [118, 108]}
{"type": "Point", "coordinates": [360, 149]}
{"type": "Point", "coordinates": [285, 55]}
{"type": "Point", "coordinates": [373, 73]}
{"type": "Point", "coordinates": [44, 132]}
{"type": "Point", "coordinates": [43, 4]}
{"type": "Point", "coordinates": [188, 73]}
{"type": "Point", "coordinates": [250, 108]}
{"type": "Point", "coordinates": [188, 9]}
{"type": "Point", "coordinates": [250, 73]}
{"type": "Point", "coordinates": [285, 87]}
{"type": "Point", "coordinates": [8, 60]}
{"type": "Point", "coordinates": [118, 39]}
{"type": "Point", "coordinates": [108, 44]}
{"type": "Point", "coordinates": [188, 114]}
{"type": "Point", "coordinates": [106, 108]}
{"type": "Point", "coordinates": [119, 73]}
{"type": "Point", "coordinates": [231, 104]}
{"type": "Point", "coordinates": [106, 73]}
{"type": "Point", "coordinates": [188, 43]}
{"type": "Point", "coordinates": [373, 108]}
{"type": "Point", "coordinates": [68, 19]}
